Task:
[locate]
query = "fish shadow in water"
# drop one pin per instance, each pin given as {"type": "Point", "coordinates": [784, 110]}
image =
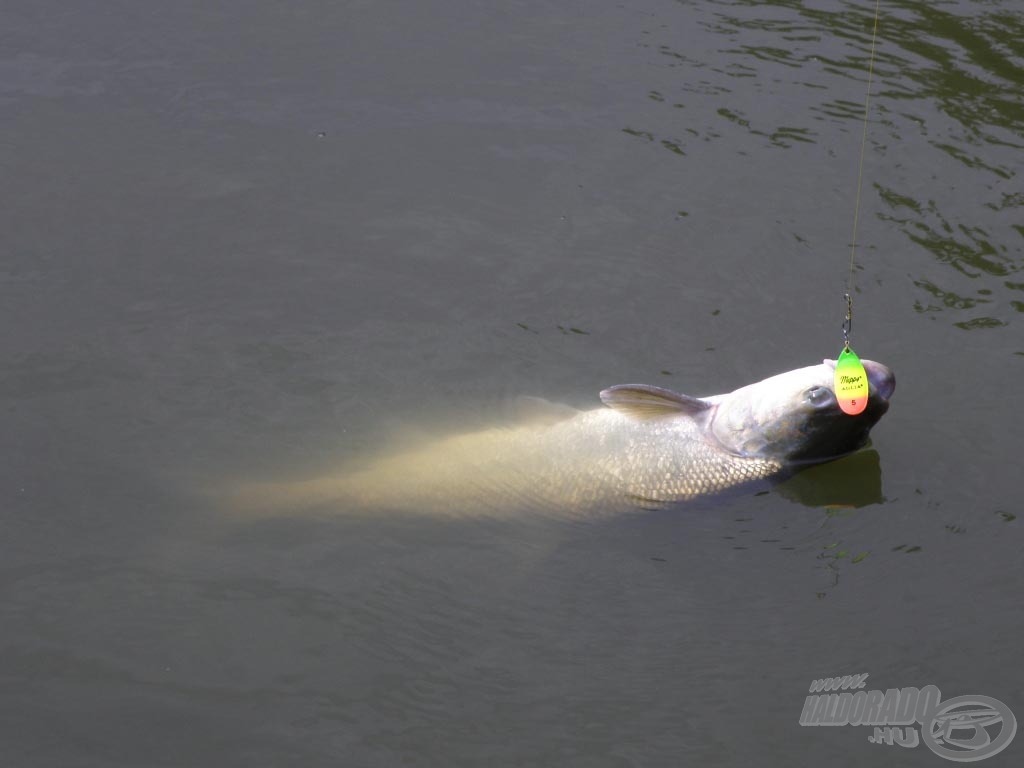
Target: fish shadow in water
{"type": "Point", "coordinates": [852, 481]}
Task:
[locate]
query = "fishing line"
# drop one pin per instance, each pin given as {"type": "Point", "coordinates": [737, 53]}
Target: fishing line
{"type": "Point", "coordinates": [851, 380]}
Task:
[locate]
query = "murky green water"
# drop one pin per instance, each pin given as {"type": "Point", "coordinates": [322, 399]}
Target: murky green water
{"type": "Point", "coordinates": [256, 241]}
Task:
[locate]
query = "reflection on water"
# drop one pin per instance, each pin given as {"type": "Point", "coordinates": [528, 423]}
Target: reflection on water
{"type": "Point", "coordinates": [847, 483]}
{"type": "Point", "coordinates": [946, 122]}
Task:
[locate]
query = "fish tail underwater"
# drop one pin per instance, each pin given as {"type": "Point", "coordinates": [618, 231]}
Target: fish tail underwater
{"type": "Point", "coordinates": [649, 447]}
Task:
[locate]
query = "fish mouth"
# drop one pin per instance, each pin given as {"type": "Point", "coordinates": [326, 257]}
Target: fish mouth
{"type": "Point", "coordinates": [880, 378]}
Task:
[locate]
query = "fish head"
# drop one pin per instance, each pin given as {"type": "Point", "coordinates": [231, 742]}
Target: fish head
{"type": "Point", "coordinates": [794, 417]}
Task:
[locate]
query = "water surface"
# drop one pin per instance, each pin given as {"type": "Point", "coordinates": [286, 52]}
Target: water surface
{"type": "Point", "coordinates": [256, 242]}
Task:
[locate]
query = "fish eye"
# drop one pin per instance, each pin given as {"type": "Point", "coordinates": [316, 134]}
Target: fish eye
{"type": "Point", "coordinates": [819, 396]}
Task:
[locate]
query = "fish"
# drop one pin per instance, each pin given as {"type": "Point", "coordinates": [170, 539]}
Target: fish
{"type": "Point", "coordinates": [646, 447]}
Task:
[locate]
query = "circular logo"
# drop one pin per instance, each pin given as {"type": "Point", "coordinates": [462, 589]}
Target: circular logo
{"type": "Point", "coordinates": [968, 728]}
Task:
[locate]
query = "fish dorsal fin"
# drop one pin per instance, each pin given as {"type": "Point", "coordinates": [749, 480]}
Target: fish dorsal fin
{"type": "Point", "coordinates": [643, 401]}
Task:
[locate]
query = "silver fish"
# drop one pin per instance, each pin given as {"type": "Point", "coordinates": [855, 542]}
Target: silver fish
{"type": "Point", "coordinates": [649, 447]}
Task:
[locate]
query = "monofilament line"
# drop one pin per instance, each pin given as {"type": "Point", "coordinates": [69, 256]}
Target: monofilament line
{"type": "Point", "coordinates": [863, 150]}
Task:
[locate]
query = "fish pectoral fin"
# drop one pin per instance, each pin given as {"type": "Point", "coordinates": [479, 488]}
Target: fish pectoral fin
{"type": "Point", "coordinates": [644, 401]}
